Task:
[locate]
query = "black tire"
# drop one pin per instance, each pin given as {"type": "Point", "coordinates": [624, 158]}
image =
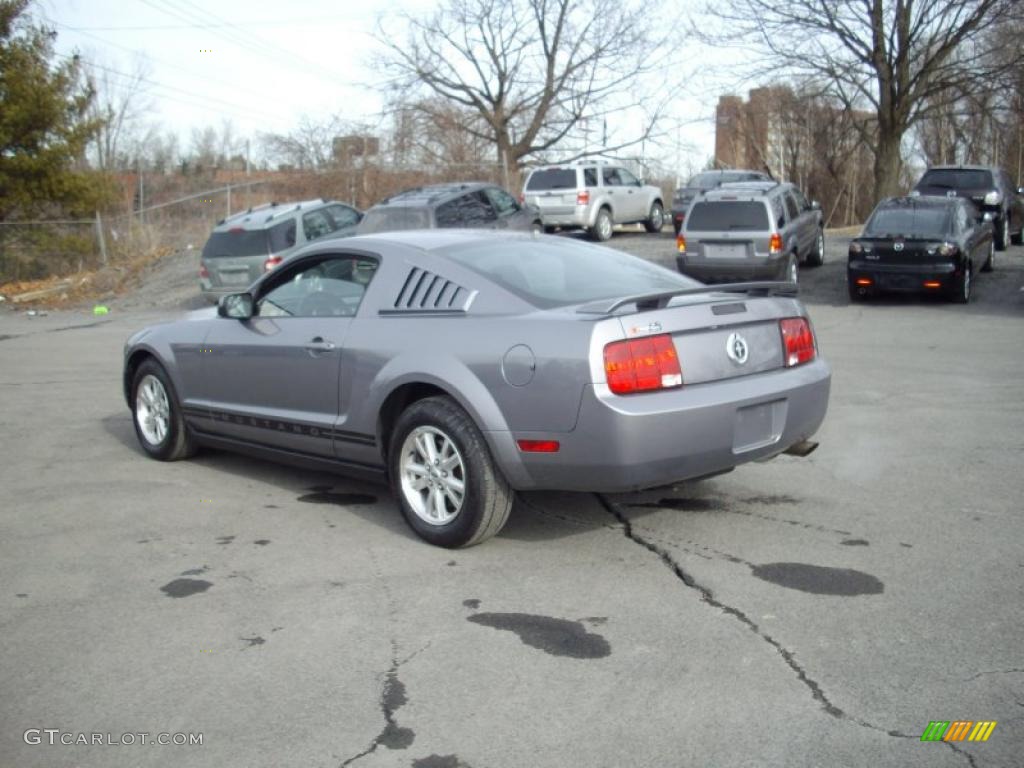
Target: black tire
{"type": "Point", "coordinates": [1018, 239]}
{"type": "Point", "coordinates": [1002, 227]}
{"type": "Point", "coordinates": [791, 270]}
{"type": "Point", "coordinates": [487, 498]}
{"type": "Point", "coordinates": [537, 228]}
{"type": "Point", "coordinates": [655, 219]}
{"type": "Point", "coordinates": [817, 256]}
{"type": "Point", "coordinates": [990, 262]}
{"type": "Point", "coordinates": [177, 442]}
{"type": "Point", "coordinates": [550, 230]}
{"type": "Point", "coordinates": [962, 288]}
{"type": "Point", "coordinates": [602, 229]}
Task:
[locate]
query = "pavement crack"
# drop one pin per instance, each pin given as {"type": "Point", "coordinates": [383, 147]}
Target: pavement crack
{"type": "Point", "coordinates": [962, 752]}
{"type": "Point", "coordinates": [994, 672]}
{"type": "Point", "coordinates": [392, 698]}
{"type": "Point", "coordinates": [707, 596]}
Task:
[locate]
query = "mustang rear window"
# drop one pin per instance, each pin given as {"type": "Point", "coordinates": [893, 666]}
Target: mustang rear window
{"type": "Point", "coordinates": [909, 222]}
{"type": "Point", "coordinates": [552, 178]}
{"type": "Point", "coordinates": [242, 242]}
{"type": "Point", "coordinates": [563, 272]}
{"type": "Point", "coordinates": [728, 216]}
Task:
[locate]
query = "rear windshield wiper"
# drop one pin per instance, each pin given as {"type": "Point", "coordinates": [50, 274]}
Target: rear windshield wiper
{"type": "Point", "coordinates": [661, 299]}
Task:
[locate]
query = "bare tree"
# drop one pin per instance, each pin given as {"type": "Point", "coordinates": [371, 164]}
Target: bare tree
{"type": "Point", "coordinates": [904, 58]}
{"type": "Point", "coordinates": [309, 146]}
{"type": "Point", "coordinates": [529, 70]}
{"type": "Point", "coordinates": [119, 105]}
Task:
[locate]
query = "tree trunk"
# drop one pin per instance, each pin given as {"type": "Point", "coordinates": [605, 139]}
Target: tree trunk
{"type": "Point", "coordinates": [888, 163]}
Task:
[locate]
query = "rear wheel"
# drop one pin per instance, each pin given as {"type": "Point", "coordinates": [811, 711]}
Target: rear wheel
{"type": "Point", "coordinates": [537, 228]}
{"type": "Point", "coordinates": [962, 287]}
{"type": "Point", "coordinates": [817, 257]}
{"type": "Point", "coordinates": [1018, 238]}
{"type": "Point", "coordinates": [448, 487]}
{"type": "Point", "coordinates": [159, 424]}
{"type": "Point", "coordinates": [791, 273]}
{"type": "Point", "coordinates": [602, 229]}
{"type": "Point", "coordinates": [1003, 233]}
{"type": "Point", "coordinates": [656, 218]}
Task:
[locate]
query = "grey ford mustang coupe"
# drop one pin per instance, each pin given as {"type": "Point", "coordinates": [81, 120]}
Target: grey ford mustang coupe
{"type": "Point", "coordinates": [463, 366]}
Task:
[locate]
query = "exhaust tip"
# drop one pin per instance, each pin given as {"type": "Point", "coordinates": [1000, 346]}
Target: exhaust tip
{"type": "Point", "coordinates": [802, 449]}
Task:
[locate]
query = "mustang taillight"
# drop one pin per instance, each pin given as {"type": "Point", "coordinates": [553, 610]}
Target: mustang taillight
{"type": "Point", "coordinates": [797, 341]}
{"type": "Point", "coordinates": [642, 365]}
{"type": "Point", "coordinates": [538, 446]}
{"type": "Point", "coordinates": [272, 262]}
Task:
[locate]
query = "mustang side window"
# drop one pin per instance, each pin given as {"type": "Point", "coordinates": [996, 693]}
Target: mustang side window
{"type": "Point", "coordinates": [333, 287]}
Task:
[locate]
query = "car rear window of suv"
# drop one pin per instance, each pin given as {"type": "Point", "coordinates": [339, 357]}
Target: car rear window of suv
{"type": "Point", "coordinates": [552, 178]}
{"type": "Point", "coordinates": [728, 215]}
{"type": "Point", "coordinates": [957, 178]}
{"type": "Point", "coordinates": [236, 242]}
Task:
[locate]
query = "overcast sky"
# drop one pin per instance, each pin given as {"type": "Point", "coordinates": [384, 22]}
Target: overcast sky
{"type": "Point", "coordinates": [263, 64]}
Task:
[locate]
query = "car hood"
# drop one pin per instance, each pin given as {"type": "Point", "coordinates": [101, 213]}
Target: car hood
{"type": "Point", "coordinates": [207, 313]}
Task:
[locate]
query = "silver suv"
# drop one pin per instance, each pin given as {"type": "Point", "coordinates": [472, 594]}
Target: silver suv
{"type": "Point", "coordinates": [245, 245]}
{"type": "Point", "coordinates": [593, 196]}
{"type": "Point", "coordinates": [754, 230]}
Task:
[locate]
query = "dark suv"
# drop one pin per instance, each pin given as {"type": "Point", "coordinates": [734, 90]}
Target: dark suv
{"type": "Point", "coordinates": [989, 188]}
{"type": "Point", "coordinates": [704, 181]}
{"type": "Point", "coordinates": [472, 205]}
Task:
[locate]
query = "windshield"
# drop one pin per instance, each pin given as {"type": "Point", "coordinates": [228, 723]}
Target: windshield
{"type": "Point", "coordinates": [957, 178]}
{"type": "Point", "coordinates": [727, 217]}
{"type": "Point", "coordinates": [552, 178]}
{"type": "Point", "coordinates": [909, 222]}
{"type": "Point", "coordinates": [236, 242]}
{"type": "Point", "coordinates": [393, 220]}
{"type": "Point", "coordinates": [563, 272]}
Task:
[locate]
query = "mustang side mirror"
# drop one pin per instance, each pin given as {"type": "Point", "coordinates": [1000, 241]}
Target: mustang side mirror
{"type": "Point", "coordinates": [235, 305]}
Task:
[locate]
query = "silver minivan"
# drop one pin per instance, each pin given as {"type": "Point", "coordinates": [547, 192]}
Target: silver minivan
{"type": "Point", "coordinates": [750, 231]}
{"type": "Point", "coordinates": [245, 245]}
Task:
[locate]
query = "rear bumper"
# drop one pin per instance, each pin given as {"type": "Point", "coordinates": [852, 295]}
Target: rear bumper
{"type": "Point", "coordinates": [644, 441]}
{"type": "Point", "coordinates": [902, 278]}
{"type": "Point", "coordinates": [576, 216]}
{"type": "Point", "coordinates": [722, 270]}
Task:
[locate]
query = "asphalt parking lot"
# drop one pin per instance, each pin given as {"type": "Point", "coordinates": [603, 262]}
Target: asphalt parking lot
{"type": "Point", "coordinates": [801, 612]}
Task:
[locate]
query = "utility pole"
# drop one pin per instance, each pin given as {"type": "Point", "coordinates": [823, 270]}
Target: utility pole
{"type": "Point", "coordinates": [142, 198]}
{"type": "Point", "coordinates": [228, 188]}
{"type": "Point", "coordinates": [247, 157]}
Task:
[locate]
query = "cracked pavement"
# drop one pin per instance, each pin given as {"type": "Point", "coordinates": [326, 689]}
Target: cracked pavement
{"type": "Point", "coordinates": [800, 612]}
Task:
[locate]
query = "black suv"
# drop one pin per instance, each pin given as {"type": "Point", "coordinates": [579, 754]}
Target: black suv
{"type": "Point", "coordinates": [471, 205]}
{"type": "Point", "coordinates": [704, 181]}
{"type": "Point", "coordinates": [989, 188]}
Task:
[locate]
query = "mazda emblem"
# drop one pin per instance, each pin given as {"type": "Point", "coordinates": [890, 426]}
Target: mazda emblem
{"type": "Point", "coordinates": [736, 348]}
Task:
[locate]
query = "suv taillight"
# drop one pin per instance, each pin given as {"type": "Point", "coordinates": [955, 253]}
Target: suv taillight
{"type": "Point", "coordinates": [797, 341]}
{"type": "Point", "coordinates": [775, 243]}
{"type": "Point", "coordinates": [272, 262]}
{"type": "Point", "coordinates": [583, 197]}
{"type": "Point", "coordinates": [642, 365]}
{"type": "Point", "coordinates": [681, 243]}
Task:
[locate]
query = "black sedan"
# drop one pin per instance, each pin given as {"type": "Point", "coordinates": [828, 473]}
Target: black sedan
{"type": "Point", "coordinates": [920, 244]}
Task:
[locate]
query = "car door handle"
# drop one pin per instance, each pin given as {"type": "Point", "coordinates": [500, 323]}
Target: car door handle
{"type": "Point", "coordinates": [318, 344]}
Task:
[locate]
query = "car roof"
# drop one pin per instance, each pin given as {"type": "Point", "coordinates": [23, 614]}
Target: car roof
{"type": "Point", "coordinates": [430, 194]}
{"type": "Point", "coordinates": [744, 190]}
{"type": "Point", "coordinates": [268, 214]}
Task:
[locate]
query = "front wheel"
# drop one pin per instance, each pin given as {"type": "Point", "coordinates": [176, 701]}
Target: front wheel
{"type": "Point", "coordinates": [602, 229]}
{"type": "Point", "coordinates": [817, 257]}
{"type": "Point", "coordinates": [159, 424]}
{"type": "Point", "coordinates": [990, 262]}
{"type": "Point", "coordinates": [448, 487]}
{"type": "Point", "coordinates": [1003, 233]}
{"type": "Point", "coordinates": [962, 287]}
{"type": "Point", "coordinates": [655, 219]}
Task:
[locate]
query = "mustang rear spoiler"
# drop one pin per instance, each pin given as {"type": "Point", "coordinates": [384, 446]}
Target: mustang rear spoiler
{"type": "Point", "coordinates": [659, 300]}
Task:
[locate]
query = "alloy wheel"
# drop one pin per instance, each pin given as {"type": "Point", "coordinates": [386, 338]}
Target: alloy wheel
{"type": "Point", "coordinates": [433, 475]}
{"type": "Point", "coordinates": [152, 410]}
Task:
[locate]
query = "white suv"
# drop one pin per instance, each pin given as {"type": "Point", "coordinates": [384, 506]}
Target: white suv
{"type": "Point", "coordinates": [594, 197]}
